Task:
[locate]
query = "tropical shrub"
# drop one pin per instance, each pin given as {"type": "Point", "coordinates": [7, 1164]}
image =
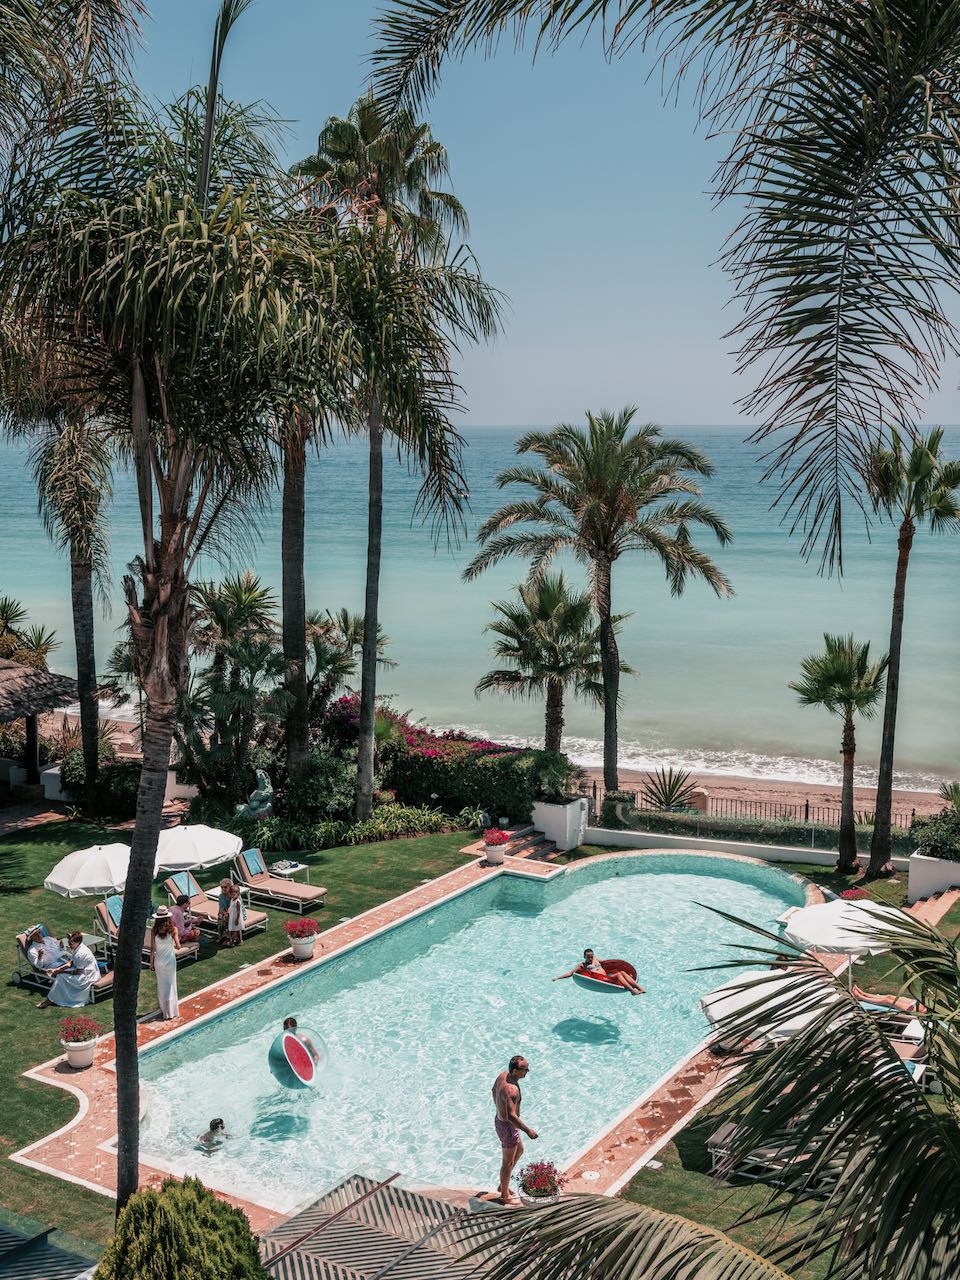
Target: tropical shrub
{"type": "Point", "coordinates": [950, 792]}
{"type": "Point", "coordinates": [182, 1230]}
{"type": "Point", "coordinates": [13, 743]}
{"type": "Point", "coordinates": [326, 779]}
{"type": "Point", "coordinates": [113, 795]}
{"type": "Point", "coordinates": [283, 835]}
{"type": "Point", "coordinates": [454, 771]}
{"type": "Point", "coordinates": [668, 788]}
{"type": "Point", "coordinates": [939, 836]}
{"type": "Point", "coordinates": [608, 809]}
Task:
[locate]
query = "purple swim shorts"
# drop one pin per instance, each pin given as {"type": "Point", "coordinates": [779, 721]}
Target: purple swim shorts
{"type": "Point", "coordinates": [508, 1133]}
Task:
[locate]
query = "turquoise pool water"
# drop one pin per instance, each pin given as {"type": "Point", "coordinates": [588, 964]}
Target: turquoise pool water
{"type": "Point", "coordinates": [419, 1021]}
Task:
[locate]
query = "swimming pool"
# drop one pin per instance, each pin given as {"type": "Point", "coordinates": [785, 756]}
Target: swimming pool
{"type": "Point", "coordinates": [419, 1020]}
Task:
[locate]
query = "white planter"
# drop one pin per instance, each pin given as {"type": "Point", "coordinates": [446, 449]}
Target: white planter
{"type": "Point", "coordinates": [930, 875]}
{"type": "Point", "coordinates": [302, 948]}
{"type": "Point", "coordinates": [564, 824]}
{"type": "Point", "coordinates": [80, 1053]}
{"type": "Point", "coordinates": [175, 790]}
{"type": "Point", "coordinates": [50, 781]}
{"type": "Point", "coordinates": [493, 854]}
{"type": "Point", "coordinates": [534, 1202]}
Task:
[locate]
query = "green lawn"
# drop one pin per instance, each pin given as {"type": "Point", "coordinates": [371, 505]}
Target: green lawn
{"type": "Point", "coordinates": [357, 877]}
{"type": "Point", "coordinates": [684, 1186]}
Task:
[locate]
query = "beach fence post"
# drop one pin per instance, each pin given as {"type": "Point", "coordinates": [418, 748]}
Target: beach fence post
{"type": "Point", "coordinates": [806, 810]}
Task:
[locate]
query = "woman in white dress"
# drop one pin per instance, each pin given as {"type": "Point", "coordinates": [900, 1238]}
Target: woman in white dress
{"type": "Point", "coordinates": [164, 941]}
{"type": "Point", "coordinates": [71, 986]}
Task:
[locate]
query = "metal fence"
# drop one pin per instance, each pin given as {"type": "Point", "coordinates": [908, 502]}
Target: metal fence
{"type": "Point", "coordinates": [765, 810]}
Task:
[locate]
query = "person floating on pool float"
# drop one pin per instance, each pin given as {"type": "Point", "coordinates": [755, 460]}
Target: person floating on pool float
{"type": "Point", "coordinates": [591, 966]}
{"type": "Point", "coordinates": [290, 1024]}
{"type": "Point", "coordinates": [214, 1137]}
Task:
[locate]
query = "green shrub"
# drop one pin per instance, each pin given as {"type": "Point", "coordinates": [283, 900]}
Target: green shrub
{"type": "Point", "coordinates": [325, 779]}
{"type": "Point", "coordinates": [939, 835]}
{"type": "Point", "coordinates": [114, 795]}
{"type": "Point", "coordinates": [462, 772]}
{"type": "Point", "coordinates": [13, 743]}
{"type": "Point", "coordinates": [388, 822]}
{"type": "Point", "coordinates": [182, 1232]}
{"type": "Point", "coordinates": [608, 808]}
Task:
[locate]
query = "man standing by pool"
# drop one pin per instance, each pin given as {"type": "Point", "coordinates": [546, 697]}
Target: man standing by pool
{"type": "Point", "coordinates": [507, 1098]}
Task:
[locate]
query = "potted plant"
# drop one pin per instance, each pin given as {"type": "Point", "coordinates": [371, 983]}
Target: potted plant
{"type": "Point", "coordinates": [79, 1035]}
{"type": "Point", "coordinates": [494, 839]}
{"type": "Point", "coordinates": [302, 934]}
{"type": "Point", "coordinates": [540, 1182]}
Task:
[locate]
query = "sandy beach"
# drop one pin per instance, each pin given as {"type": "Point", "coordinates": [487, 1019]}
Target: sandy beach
{"type": "Point", "coordinates": [728, 787]}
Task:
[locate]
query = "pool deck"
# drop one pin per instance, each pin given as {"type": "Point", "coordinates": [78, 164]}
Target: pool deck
{"type": "Point", "coordinates": [83, 1150]}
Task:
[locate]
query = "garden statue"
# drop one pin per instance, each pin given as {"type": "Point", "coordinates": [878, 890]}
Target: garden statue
{"type": "Point", "coordinates": [260, 804]}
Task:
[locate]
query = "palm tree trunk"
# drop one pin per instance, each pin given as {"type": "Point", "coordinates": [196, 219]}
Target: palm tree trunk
{"type": "Point", "coordinates": [553, 734]}
{"type": "Point", "coordinates": [371, 616]}
{"type": "Point", "coordinates": [157, 740]}
{"type": "Point", "coordinates": [881, 845]}
{"type": "Point", "coordinates": [610, 670]}
{"type": "Point", "coordinates": [297, 726]}
{"type": "Point", "coordinates": [847, 861]}
{"type": "Point", "coordinates": [81, 592]}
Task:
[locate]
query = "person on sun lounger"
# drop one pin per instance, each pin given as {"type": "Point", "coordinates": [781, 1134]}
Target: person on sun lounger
{"type": "Point", "coordinates": [44, 951]}
{"type": "Point", "coordinates": [904, 1003]}
{"type": "Point", "coordinates": [591, 965]}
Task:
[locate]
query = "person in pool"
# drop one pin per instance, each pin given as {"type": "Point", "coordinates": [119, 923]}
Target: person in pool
{"type": "Point", "coordinates": [290, 1024]}
{"type": "Point", "coordinates": [214, 1137]}
{"type": "Point", "coordinates": [591, 965]}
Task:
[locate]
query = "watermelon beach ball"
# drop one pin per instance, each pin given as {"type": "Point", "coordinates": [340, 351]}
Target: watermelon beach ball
{"type": "Point", "coordinates": [292, 1064]}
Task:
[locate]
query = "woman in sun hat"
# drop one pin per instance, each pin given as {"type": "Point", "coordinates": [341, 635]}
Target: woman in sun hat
{"type": "Point", "coordinates": [164, 941]}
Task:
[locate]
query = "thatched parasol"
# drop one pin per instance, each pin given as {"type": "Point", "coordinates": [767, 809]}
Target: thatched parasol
{"type": "Point", "coordinates": [26, 693]}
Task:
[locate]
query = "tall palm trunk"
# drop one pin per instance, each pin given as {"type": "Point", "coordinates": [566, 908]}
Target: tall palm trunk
{"type": "Point", "coordinates": [81, 594]}
{"type": "Point", "coordinates": [371, 616]}
{"type": "Point", "coordinates": [157, 740]}
{"type": "Point", "coordinates": [553, 734]}
{"type": "Point", "coordinates": [881, 844]}
{"type": "Point", "coordinates": [847, 860]}
{"type": "Point", "coordinates": [610, 670]}
{"type": "Point", "coordinates": [293, 599]}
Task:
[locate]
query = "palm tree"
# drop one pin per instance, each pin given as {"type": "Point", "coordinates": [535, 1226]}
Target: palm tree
{"type": "Point", "coordinates": [600, 494]}
{"type": "Point", "coordinates": [551, 640]}
{"type": "Point", "coordinates": [336, 647]}
{"type": "Point", "coordinates": [845, 254]}
{"type": "Point", "coordinates": [911, 483]}
{"type": "Point", "coordinates": [843, 679]}
{"type": "Point", "coordinates": [72, 471]}
{"type": "Point", "coordinates": [385, 169]}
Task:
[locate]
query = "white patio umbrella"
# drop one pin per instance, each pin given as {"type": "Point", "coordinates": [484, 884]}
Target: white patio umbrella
{"type": "Point", "coordinates": [842, 927]}
{"type": "Point", "coordinates": [193, 848]}
{"type": "Point", "coordinates": [101, 869]}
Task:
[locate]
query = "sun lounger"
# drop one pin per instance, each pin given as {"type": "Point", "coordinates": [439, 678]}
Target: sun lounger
{"type": "Point", "coordinates": [26, 975]}
{"type": "Point", "coordinates": [107, 924]}
{"type": "Point", "coordinates": [205, 906]}
{"type": "Point", "coordinates": [250, 872]}
{"type": "Point", "coordinates": [770, 1163]}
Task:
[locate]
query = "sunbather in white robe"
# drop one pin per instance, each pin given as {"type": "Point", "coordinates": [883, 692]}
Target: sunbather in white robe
{"type": "Point", "coordinates": [71, 989]}
{"type": "Point", "coordinates": [47, 953]}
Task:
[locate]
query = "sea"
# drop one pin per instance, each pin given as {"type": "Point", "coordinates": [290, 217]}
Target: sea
{"type": "Point", "coordinates": [711, 690]}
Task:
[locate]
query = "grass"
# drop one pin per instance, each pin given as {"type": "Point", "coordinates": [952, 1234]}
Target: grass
{"type": "Point", "coordinates": [357, 877]}
{"type": "Point", "coordinates": [684, 1186]}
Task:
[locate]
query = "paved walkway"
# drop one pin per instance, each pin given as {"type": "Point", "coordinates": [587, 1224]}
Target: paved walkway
{"type": "Point", "coordinates": [24, 817]}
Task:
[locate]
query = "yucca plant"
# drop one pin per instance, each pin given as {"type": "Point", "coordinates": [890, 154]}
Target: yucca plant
{"type": "Point", "coordinates": [668, 788]}
{"type": "Point", "coordinates": [950, 793]}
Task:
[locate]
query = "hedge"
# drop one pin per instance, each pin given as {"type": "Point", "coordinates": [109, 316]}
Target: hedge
{"type": "Point", "coordinates": [939, 836]}
{"type": "Point", "coordinates": [283, 835]}
{"type": "Point", "coordinates": [463, 772]}
{"type": "Point", "coordinates": [752, 830]}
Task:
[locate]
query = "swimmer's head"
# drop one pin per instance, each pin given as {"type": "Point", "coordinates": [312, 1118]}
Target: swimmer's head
{"type": "Point", "coordinates": [290, 1024]}
{"type": "Point", "coordinates": [216, 1125]}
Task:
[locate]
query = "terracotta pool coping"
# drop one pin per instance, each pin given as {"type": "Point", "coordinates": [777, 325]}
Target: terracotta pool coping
{"type": "Point", "coordinates": [82, 1150]}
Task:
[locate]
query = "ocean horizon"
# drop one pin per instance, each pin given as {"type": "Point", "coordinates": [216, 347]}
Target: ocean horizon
{"type": "Point", "coordinates": [711, 694]}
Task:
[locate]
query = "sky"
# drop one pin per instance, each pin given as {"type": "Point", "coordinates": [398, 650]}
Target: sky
{"type": "Point", "coordinates": [588, 196]}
